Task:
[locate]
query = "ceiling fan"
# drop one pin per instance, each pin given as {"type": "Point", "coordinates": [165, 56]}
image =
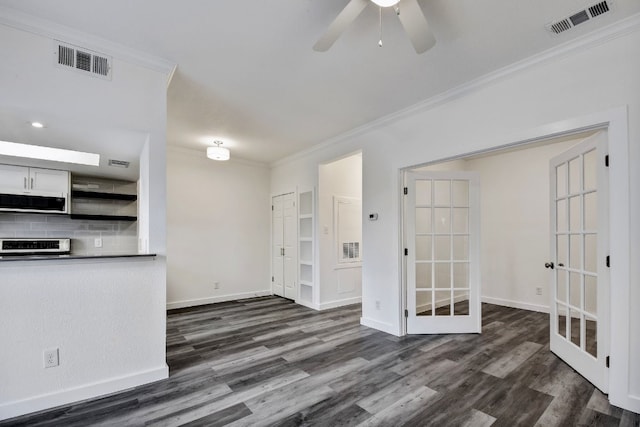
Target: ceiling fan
{"type": "Point", "coordinates": [408, 11]}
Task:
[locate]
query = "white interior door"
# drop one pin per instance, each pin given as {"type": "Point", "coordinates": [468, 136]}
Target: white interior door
{"type": "Point", "coordinates": [442, 252]}
{"type": "Point", "coordinates": [277, 249]}
{"type": "Point", "coordinates": [289, 246]}
{"type": "Point", "coordinates": [284, 248]}
{"type": "Point", "coordinates": [579, 257]}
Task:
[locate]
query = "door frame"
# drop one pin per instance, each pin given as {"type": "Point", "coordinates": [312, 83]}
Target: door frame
{"type": "Point", "coordinates": [615, 121]}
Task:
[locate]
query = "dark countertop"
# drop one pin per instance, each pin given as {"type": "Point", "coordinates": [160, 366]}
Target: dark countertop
{"type": "Point", "coordinates": [70, 256]}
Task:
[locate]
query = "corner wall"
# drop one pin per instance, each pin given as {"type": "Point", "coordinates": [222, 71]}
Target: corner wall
{"type": "Point", "coordinates": [218, 219]}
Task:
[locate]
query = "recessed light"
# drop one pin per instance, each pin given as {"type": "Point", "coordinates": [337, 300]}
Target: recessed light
{"type": "Point", "coordinates": [47, 153]}
{"type": "Point", "coordinates": [37, 125]}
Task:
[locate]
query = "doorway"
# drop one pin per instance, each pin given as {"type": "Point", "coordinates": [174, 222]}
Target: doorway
{"type": "Point", "coordinates": [340, 232]}
{"type": "Point", "coordinates": [284, 245]}
{"type": "Point", "coordinates": [518, 225]}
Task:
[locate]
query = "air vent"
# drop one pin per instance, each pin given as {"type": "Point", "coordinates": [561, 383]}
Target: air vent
{"type": "Point", "coordinates": [85, 60]}
{"type": "Point", "coordinates": [599, 9]}
{"type": "Point", "coordinates": [118, 163]}
{"type": "Point", "coordinates": [580, 17]}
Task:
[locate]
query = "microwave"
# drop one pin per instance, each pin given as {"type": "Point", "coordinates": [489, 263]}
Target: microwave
{"type": "Point", "coordinates": [45, 246]}
{"type": "Point", "coordinates": [32, 203]}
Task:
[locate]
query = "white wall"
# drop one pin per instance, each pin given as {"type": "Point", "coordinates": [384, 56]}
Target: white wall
{"type": "Point", "coordinates": [339, 284]}
{"type": "Point", "coordinates": [218, 219]}
{"type": "Point", "coordinates": [511, 106]}
{"type": "Point", "coordinates": [106, 318]}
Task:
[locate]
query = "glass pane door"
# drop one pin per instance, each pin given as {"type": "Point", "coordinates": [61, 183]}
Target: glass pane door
{"type": "Point", "coordinates": [443, 294]}
{"type": "Point", "coordinates": [579, 315]}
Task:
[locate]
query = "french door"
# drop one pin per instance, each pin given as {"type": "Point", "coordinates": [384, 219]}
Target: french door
{"type": "Point", "coordinates": [579, 258]}
{"type": "Point", "coordinates": [284, 249]}
{"type": "Point", "coordinates": [442, 252]}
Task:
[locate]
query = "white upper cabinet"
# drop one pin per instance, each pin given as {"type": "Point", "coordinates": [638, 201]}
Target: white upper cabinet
{"type": "Point", "coordinates": [25, 180]}
{"type": "Point", "coordinates": [49, 181]}
{"type": "Point", "coordinates": [13, 178]}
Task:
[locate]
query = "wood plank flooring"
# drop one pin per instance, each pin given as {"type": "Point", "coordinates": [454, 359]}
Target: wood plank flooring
{"type": "Point", "coordinates": [270, 362]}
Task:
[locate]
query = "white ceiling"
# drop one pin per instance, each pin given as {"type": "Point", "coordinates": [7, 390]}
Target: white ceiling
{"type": "Point", "coordinates": [247, 74]}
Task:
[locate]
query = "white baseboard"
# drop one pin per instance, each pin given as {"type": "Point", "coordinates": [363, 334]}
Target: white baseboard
{"type": "Point", "coordinates": [89, 391]}
{"type": "Point", "coordinates": [516, 304]}
{"type": "Point", "coordinates": [212, 300]}
{"type": "Point", "coordinates": [381, 326]}
{"type": "Point", "coordinates": [308, 305]}
{"type": "Point", "coordinates": [340, 303]}
{"type": "Point", "coordinates": [441, 303]}
{"type": "Point", "coordinates": [629, 402]}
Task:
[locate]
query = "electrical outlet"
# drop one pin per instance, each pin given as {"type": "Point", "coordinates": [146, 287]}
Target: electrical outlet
{"type": "Point", "coordinates": [377, 305]}
{"type": "Point", "coordinates": [216, 285]}
{"type": "Point", "coordinates": [97, 242]}
{"type": "Point", "coordinates": [51, 358]}
{"type": "Point", "coordinates": [538, 291]}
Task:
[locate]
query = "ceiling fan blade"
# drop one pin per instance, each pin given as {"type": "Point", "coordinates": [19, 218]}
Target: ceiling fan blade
{"type": "Point", "coordinates": [346, 17]}
{"type": "Point", "coordinates": [416, 26]}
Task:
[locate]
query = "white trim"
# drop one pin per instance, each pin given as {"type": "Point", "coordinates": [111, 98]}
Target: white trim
{"type": "Point", "coordinates": [213, 300]}
{"type": "Point", "coordinates": [620, 246]}
{"type": "Point", "coordinates": [308, 304]}
{"type": "Point", "coordinates": [45, 28]}
{"type": "Point", "coordinates": [381, 326]}
{"type": "Point", "coordinates": [340, 303]}
{"type": "Point", "coordinates": [632, 403]}
{"type": "Point", "coordinates": [597, 37]}
{"type": "Point", "coordinates": [75, 394]}
{"type": "Point", "coordinates": [441, 303]}
{"type": "Point", "coordinates": [516, 304]}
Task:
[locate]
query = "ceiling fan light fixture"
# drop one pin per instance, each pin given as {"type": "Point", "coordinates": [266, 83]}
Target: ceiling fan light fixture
{"type": "Point", "coordinates": [386, 3]}
{"type": "Point", "coordinates": [218, 153]}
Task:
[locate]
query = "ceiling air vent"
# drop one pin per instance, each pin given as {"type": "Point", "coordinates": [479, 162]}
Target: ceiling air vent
{"type": "Point", "coordinates": [118, 163]}
{"type": "Point", "coordinates": [580, 17]}
{"type": "Point", "coordinates": [85, 60]}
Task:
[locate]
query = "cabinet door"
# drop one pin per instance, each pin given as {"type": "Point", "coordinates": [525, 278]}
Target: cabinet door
{"type": "Point", "coordinates": [49, 181]}
{"type": "Point", "coordinates": [13, 178]}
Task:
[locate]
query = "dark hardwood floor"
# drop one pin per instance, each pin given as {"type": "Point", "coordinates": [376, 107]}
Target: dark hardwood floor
{"type": "Point", "coordinates": [268, 361]}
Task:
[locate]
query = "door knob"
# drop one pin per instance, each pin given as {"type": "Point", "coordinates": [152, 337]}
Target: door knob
{"type": "Point", "coordinates": [548, 265]}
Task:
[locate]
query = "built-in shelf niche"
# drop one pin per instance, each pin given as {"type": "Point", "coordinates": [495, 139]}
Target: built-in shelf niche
{"type": "Point", "coordinates": [103, 199]}
{"type": "Point", "coordinates": [306, 247]}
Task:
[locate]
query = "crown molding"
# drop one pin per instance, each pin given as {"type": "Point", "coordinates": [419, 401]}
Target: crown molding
{"type": "Point", "coordinates": [42, 27]}
{"type": "Point", "coordinates": [598, 37]}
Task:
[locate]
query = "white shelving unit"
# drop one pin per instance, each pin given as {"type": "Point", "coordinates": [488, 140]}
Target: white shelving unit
{"type": "Point", "coordinates": [306, 243]}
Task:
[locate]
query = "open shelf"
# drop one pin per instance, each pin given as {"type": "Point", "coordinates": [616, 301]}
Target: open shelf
{"type": "Point", "coordinates": [103, 199]}
{"type": "Point", "coordinates": [104, 217]}
{"type": "Point", "coordinates": [306, 256]}
{"type": "Point", "coordinates": [101, 195]}
{"type": "Point", "coordinates": [306, 292]}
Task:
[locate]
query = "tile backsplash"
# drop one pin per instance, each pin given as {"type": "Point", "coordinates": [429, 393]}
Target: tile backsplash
{"type": "Point", "coordinates": [118, 237]}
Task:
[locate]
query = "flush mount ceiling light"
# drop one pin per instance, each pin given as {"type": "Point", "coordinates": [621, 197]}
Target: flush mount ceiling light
{"type": "Point", "coordinates": [218, 152]}
{"type": "Point", "coordinates": [15, 149]}
{"type": "Point", "coordinates": [37, 125]}
{"type": "Point", "coordinates": [386, 3]}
